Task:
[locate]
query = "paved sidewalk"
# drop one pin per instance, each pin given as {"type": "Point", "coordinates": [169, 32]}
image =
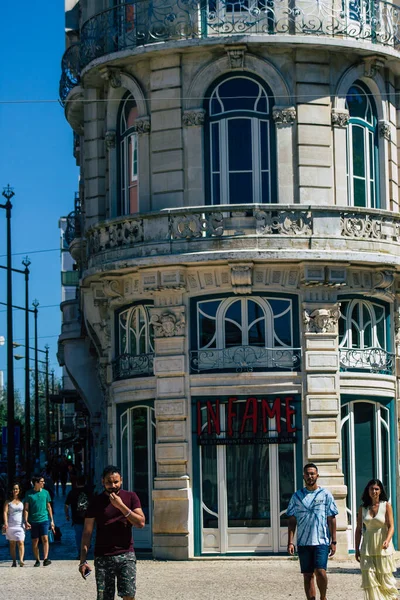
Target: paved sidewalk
{"type": "Point", "coordinates": [203, 579]}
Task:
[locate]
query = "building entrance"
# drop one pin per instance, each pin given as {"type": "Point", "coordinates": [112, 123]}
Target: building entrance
{"type": "Point", "coordinates": [247, 476]}
{"type": "Point", "coordinates": [137, 426]}
{"type": "Point", "coordinates": [366, 453]}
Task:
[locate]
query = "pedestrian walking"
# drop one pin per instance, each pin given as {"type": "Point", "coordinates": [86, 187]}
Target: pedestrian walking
{"type": "Point", "coordinates": [78, 499]}
{"type": "Point", "coordinates": [13, 519]}
{"type": "Point", "coordinates": [376, 556]}
{"type": "Point", "coordinates": [313, 511]}
{"type": "Point", "coordinates": [37, 514]}
{"type": "Point", "coordinates": [114, 511]}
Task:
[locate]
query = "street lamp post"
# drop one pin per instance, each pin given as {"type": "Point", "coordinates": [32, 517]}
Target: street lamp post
{"type": "Point", "coordinates": [26, 262]}
{"type": "Point", "coordinates": [35, 305]}
{"type": "Point", "coordinates": [8, 193]}
{"type": "Point", "coordinates": [47, 401]}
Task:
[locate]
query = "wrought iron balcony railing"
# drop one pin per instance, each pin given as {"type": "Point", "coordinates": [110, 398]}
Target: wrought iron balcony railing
{"type": "Point", "coordinates": [245, 359]}
{"type": "Point", "coordinates": [126, 366]}
{"type": "Point", "coordinates": [141, 22]}
{"type": "Point", "coordinates": [374, 360]}
{"type": "Point", "coordinates": [74, 221]}
{"type": "Point", "coordinates": [70, 70]}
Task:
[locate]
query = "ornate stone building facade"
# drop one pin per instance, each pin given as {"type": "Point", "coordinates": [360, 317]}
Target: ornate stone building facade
{"type": "Point", "coordinates": [239, 242]}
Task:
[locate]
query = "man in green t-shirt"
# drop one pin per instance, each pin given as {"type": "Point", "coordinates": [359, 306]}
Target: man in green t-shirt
{"type": "Point", "coordinates": [37, 513]}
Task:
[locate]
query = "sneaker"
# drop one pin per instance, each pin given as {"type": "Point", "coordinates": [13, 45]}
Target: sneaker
{"type": "Point", "coordinates": [46, 562]}
{"type": "Point", "coordinates": [37, 563]}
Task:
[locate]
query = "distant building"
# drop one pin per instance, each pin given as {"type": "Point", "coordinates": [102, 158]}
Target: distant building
{"type": "Point", "coordinates": [73, 419]}
{"type": "Point", "coordinates": [238, 242]}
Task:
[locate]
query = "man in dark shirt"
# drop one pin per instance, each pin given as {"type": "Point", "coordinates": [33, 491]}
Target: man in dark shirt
{"type": "Point", "coordinates": [114, 512]}
{"type": "Point", "coordinates": [78, 499]}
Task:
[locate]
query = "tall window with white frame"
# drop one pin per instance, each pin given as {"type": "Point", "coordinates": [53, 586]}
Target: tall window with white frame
{"type": "Point", "coordinates": [128, 199]}
{"type": "Point", "coordinates": [364, 342]}
{"type": "Point", "coordinates": [240, 142]}
{"type": "Point", "coordinates": [135, 342]}
{"type": "Point", "coordinates": [362, 148]}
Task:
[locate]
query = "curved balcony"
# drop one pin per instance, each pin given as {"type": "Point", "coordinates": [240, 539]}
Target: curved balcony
{"type": "Point", "coordinates": [70, 71]}
{"type": "Point", "coordinates": [126, 366]}
{"type": "Point", "coordinates": [352, 233]}
{"type": "Point", "coordinates": [245, 359]}
{"type": "Point", "coordinates": [371, 360]}
{"type": "Point", "coordinates": [134, 24]}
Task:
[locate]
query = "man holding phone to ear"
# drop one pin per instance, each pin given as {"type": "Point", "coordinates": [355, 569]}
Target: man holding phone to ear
{"type": "Point", "coordinates": [114, 511]}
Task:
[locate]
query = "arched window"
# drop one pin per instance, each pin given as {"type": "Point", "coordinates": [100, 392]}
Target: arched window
{"type": "Point", "coordinates": [135, 343]}
{"type": "Point", "coordinates": [362, 148]}
{"type": "Point", "coordinates": [241, 142]}
{"type": "Point", "coordinates": [363, 337]}
{"type": "Point", "coordinates": [245, 334]}
{"type": "Point", "coordinates": [128, 201]}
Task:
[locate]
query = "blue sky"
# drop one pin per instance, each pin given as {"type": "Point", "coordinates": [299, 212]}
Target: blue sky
{"type": "Point", "coordinates": [36, 160]}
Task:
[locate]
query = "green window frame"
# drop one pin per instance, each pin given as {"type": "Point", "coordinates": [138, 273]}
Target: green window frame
{"type": "Point", "coordinates": [362, 148]}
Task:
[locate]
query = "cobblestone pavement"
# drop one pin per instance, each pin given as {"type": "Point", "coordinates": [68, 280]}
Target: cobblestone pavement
{"type": "Point", "coordinates": [203, 579]}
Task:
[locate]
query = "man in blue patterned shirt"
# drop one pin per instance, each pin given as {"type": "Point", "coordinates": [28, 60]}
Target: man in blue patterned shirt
{"type": "Point", "coordinates": [313, 511]}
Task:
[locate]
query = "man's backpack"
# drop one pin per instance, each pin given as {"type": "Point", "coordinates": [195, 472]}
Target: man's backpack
{"type": "Point", "coordinates": [82, 504]}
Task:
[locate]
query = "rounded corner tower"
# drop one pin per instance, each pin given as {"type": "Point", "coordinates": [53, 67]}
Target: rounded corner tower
{"type": "Point", "coordinates": [238, 239]}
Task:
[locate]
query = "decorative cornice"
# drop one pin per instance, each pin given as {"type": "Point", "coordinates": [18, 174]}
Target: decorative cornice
{"type": "Point", "coordinates": [385, 130]}
{"type": "Point", "coordinates": [321, 320]}
{"type": "Point", "coordinates": [110, 139]}
{"type": "Point", "coordinates": [193, 117]}
{"type": "Point", "coordinates": [340, 117]}
{"type": "Point", "coordinates": [241, 278]}
{"type": "Point", "coordinates": [142, 125]}
{"type": "Point", "coordinates": [236, 55]}
{"type": "Point", "coordinates": [284, 115]}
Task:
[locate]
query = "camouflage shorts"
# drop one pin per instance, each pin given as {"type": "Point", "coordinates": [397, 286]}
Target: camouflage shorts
{"type": "Point", "coordinates": [122, 567]}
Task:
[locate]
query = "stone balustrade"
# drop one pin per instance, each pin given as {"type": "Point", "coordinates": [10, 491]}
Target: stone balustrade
{"type": "Point", "coordinates": [257, 226]}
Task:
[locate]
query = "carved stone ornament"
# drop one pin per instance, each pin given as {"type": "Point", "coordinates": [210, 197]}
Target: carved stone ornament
{"type": "Point", "coordinates": [382, 280]}
{"type": "Point", "coordinates": [194, 117]}
{"type": "Point", "coordinates": [340, 117]}
{"type": "Point", "coordinates": [112, 288]}
{"type": "Point", "coordinates": [236, 56]}
{"type": "Point", "coordinates": [168, 324]}
{"type": "Point", "coordinates": [372, 65]}
{"type": "Point", "coordinates": [113, 76]}
{"type": "Point", "coordinates": [384, 130]}
{"type": "Point", "coordinates": [321, 320]}
{"type": "Point", "coordinates": [396, 322]}
{"type": "Point", "coordinates": [241, 278]}
{"type": "Point", "coordinates": [110, 139]}
{"type": "Point", "coordinates": [142, 125]}
{"type": "Point", "coordinates": [284, 115]}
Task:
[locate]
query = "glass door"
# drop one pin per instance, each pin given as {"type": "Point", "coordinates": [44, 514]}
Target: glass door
{"type": "Point", "coordinates": [137, 463]}
{"type": "Point", "coordinates": [245, 491]}
{"type": "Point", "coordinates": [366, 453]}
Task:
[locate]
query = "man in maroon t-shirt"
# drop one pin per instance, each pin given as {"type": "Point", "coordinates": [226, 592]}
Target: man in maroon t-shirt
{"type": "Point", "coordinates": [114, 512]}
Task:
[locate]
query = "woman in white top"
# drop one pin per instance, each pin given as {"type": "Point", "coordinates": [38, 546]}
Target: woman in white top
{"type": "Point", "coordinates": [13, 524]}
{"type": "Point", "coordinates": [376, 555]}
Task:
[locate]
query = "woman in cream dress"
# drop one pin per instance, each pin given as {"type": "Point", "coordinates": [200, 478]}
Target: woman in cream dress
{"type": "Point", "coordinates": [376, 555]}
{"type": "Point", "coordinates": [13, 525]}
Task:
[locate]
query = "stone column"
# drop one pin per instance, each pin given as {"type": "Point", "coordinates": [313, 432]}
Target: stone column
{"type": "Point", "coordinates": [167, 166]}
{"type": "Point", "coordinates": [285, 117]}
{"type": "Point", "coordinates": [94, 167]}
{"type": "Point", "coordinates": [171, 495]}
{"type": "Point", "coordinates": [314, 139]}
{"type": "Point", "coordinates": [193, 123]}
{"type": "Point", "coordinates": [321, 410]}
